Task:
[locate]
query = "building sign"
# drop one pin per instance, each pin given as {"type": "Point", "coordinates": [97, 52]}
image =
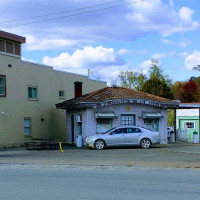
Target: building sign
{"type": "Point", "coordinates": [133, 101]}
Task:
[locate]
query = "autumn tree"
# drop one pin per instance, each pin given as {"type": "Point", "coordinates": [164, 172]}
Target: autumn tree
{"type": "Point", "coordinates": [176, 89]}
{"type": "Point", "coordinates": [197, 81]}
{"type": "Point", "coordinates": [189, 92]}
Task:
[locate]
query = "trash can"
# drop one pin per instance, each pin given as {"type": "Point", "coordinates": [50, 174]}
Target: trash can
{"type": "Point", "coordinates": [172, 136]}
{"type": "Point", "coordinates": [79, 141]}
{"type": "Point", "coordinates": [195, 137]}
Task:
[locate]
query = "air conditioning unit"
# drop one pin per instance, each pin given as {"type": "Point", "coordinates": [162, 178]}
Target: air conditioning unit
{"type": "Point", "coordinates": [78, 118]}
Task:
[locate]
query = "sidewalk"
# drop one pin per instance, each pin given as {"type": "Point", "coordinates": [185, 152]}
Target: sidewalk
{"type": "Point", "coordinates": [177, 155]}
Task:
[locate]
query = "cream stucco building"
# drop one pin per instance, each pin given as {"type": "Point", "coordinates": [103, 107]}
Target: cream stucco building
{"type": "Point", "coordinates": [29, 92]}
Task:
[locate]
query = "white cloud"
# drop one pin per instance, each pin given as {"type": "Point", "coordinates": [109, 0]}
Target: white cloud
{"type": "Point", "coordinates": [32, 61]}
{"type": "Point", "coordinates": [43, 44]}
{"type": "Point", "coordinates": [183, 54]}
{"type": "Point", "coordinates": [171, 3]}
{"type": "Point", "coordinates": [182, 44]}
{"type": "Point", "coordinates": [118, 24]}
{"type": "Point", "coordinates": [158, 56]}
{"type": "Point", "coordinates": [87, 57]}
{"type": "Point", "coordinates": [192, 60]}
{"type": "Point", "coordinates": [144, 66]}
{"type": "Point", "coordinates": [127, 51]}
{"type": "Point", "coordinates": [154, 15]}
{"type": "Point", "coordinates": [124, 51]}
{"type": "Point", "coordinates": [186, 13]}
{"type": "Point", "coordinates": [112, 72]}
{"type": "Point", "coordinates": [103, 62]}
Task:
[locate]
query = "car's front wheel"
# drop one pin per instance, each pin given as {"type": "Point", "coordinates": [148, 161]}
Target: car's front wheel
{"type": "Point", "coordinates": [145, 143]}
{"type": "Point", "coordinates": [99, 144]}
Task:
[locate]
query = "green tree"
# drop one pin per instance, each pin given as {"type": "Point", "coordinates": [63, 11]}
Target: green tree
{"type": "Point", "coordinates": [170, 117]}
{"type": "Point", "coordinates": [132, 80]}
{"type": "Point", "coordinates": [158, 84]}
{"type": "Point", "coordinates": [155, 71]}
{"type": "Point", "coordinates": [157, 87]}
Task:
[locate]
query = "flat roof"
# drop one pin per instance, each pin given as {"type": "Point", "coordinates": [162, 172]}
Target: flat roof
{"type": "Point", "coordinates": [13, 37]}
{"type": "Point", "coordinates": [189, 105]}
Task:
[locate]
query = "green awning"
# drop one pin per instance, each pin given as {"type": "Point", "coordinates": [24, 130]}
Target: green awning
{"type": "Point", "coordinates": [151, 115]}
{"type": "Point", "coordinates": [105, 115]}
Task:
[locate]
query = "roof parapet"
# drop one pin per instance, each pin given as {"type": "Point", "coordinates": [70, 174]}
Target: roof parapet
{"type": "Point", "coordinates": [13, 37]}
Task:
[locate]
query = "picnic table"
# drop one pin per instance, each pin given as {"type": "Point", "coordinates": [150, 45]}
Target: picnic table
{"type": "Point", "coordinates": [41, 144]}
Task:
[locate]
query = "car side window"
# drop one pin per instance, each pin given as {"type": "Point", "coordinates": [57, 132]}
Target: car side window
{"type": "Point", "coordinates": [133, 130]}
{"type": "Point", "coordinates": [137, 130]}
{"type": "Point", "coordinates": [129, 130]}
{"type": "Point", "coordinates": [118, 131]}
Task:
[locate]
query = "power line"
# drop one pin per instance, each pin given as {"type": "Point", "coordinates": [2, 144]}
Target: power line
{"type": "Point", "coordinates": [72, 10]}
{"type": "Point", "coordinates": [81, 13]}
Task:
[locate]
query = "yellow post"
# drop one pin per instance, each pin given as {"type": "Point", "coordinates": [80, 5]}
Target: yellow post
{"type": "Point", "coordinates": [60, 146]}
{"type": "Point", "coordinates": [91, 145]}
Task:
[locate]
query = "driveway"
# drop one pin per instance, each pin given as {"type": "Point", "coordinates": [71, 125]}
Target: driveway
{"type": "Point", "coordinates": [178, 155]}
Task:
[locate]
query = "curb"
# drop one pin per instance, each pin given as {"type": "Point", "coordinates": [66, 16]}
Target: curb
{"type": "Point", "coordinates": [180, 152]}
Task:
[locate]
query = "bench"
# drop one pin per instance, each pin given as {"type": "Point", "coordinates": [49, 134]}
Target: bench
{"type": "Point", "coordinates": [41, 144]}
{"type": "Point", "coordinates": [34, 146]}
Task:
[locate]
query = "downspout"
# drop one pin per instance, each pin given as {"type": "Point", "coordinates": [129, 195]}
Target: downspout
{"type": "Point", "coordinates": [199, 122]}
{"type": "Point", "coordinates": [175, 124]}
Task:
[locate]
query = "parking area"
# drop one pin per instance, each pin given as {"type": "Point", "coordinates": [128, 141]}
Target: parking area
{"type": "Point", "coordinates": [176, 155]}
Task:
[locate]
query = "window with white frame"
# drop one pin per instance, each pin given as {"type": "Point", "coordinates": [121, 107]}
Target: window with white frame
{"type": "Point", "coordinates": [188, 125]}
{"type": "Point", "coordinates": [61, 93]}
{"type": "Point", "coordinates": [27, 126]}
{"type": "Point", "coordinates": [32, 92]}
{"type": "Point", "coordinates": [127, 120]}
{"type": "Point", "coordinates": [151, 124]}
{"type": "Point", "coordinates": [103, 124]}
{"type": "Point", "coordinates": [2, 85]}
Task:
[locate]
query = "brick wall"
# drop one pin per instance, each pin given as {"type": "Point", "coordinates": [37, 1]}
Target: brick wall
{"type": "Point", "coordinates": [89, 121]}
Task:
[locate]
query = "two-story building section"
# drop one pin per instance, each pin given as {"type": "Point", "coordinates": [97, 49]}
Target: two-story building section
{"type": "Point", "coordinates": [29, 92]}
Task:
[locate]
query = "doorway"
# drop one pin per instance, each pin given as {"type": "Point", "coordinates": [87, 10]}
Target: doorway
{"type": "Point", "coordinates": [72, 128]}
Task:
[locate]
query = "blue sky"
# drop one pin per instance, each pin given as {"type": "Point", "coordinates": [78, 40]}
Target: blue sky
{"type": "Point", "coordinates": [124, 37]}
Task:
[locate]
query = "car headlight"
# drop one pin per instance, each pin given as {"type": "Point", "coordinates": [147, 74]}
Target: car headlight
{"type": "Point", "coordinates": [88, 139]}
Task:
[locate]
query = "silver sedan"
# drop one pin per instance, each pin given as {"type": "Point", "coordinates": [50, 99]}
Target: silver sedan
{"type": "Point", "coordinates": [124, 136]}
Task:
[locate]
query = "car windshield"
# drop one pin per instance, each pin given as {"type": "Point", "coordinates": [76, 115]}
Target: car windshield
{"type": "Point", "coordinates": [109, 130]}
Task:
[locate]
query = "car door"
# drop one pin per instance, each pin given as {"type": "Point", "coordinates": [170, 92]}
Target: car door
{"type": "Point", "coordinates": [116, 137]}
{"type": "Point", "coordinates": [132, 136]}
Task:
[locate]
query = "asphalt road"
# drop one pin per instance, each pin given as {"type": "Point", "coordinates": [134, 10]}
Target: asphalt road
{"type": "Point", "coordinates": [98, 184]}
{"type": "Point", "coordinates": [178, 156]}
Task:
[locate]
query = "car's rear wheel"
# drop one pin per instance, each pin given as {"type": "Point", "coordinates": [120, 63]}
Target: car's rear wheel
{"type": "Point", "coordinates": [145, 143]}
{"type": "Point", "coordinates": [99, 144]}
